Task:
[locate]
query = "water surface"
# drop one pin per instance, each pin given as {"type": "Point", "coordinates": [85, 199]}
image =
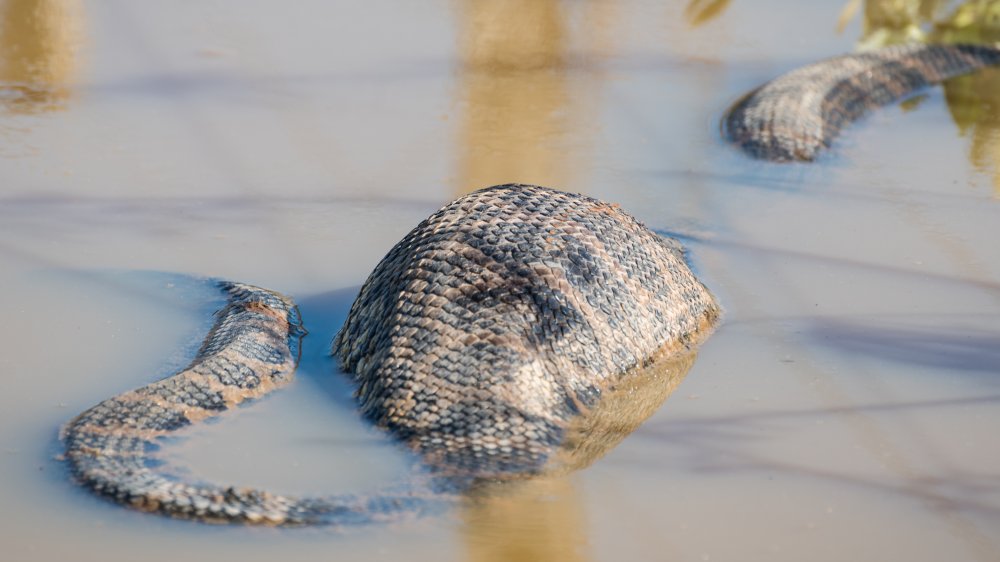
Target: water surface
{"type": "Point", "coordinates": [846, 408]}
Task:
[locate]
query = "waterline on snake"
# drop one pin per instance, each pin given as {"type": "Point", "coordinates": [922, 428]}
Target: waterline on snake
{"type": "Point", "coordinates": [479, 342]}
{"type": "Point", "coordinates": [796, 116]}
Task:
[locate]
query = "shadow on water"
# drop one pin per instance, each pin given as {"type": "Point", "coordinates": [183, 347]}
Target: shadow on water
{"type": "Point", "coordinates": [745, 248]}
{"type": "Point", "coordinates": [323, 315]}
{"type": "Point", "coordinates": [735, 444]}
{"type": "Point", "coordinates": [785, 180]}
{"type": "Point", "coordinates": [947, 347]}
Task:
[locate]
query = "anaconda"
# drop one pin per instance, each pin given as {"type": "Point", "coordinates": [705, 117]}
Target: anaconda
{"type": "Point", "coordinates": [477, 341]}
{"type": "Point", "coordinates": [798, 115]}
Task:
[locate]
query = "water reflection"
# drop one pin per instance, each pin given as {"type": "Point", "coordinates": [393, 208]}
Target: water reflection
{"type": "Point", "coordinates": [514, 93]}
{"type": "Point", "coordinates": [698, 12]}
{"type": "Point", "coordinates": [974, 103]}
{"type": "Point", "coordinates": [37, 53]}
{"type": "Point", "coordinates": [885, 22]}
{"type": "Point", "coordinates": [973, 100]}
{"type": "Point", "coordinates": [536, 520]}
{"type": "Point", "coordinates": [543, 518]}
{"type": "Point", "coordinates": [521, 118]}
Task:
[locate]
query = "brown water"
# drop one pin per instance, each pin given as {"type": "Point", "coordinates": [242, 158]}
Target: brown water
{"type": "Point", "coordinates": [846, 409]}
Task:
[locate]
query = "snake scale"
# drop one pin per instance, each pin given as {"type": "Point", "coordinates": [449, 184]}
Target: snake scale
{"type": "Point", "coordinates": [796, 116]}
{"type": "Point", "coordinates": [476, 341]}
{"type": "Point", "coordinates": [484, 333]}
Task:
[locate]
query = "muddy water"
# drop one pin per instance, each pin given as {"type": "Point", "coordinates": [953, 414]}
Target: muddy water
{"type": "Point", "coordinates": [846, 409]}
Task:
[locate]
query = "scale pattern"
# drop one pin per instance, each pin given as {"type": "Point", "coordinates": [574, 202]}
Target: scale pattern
{"type": "Point", "coordinates": [504, 315]}
{"type": "Point", "coordinates": [252, 350]}
{"type": "Point", "coordinates": [477, 341]}
{"type": "Point", "coordinates": [798, 115]}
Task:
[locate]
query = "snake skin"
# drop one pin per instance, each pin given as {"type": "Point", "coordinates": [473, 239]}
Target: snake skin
{"type": "Point", "coordinates": [798, 115]}
{"type": "Point", "coordinates": [252, 350]}
{"type": "Point", "coordinates": [504, 315]}
{"type": "Point", "coordinates": [478, 341]}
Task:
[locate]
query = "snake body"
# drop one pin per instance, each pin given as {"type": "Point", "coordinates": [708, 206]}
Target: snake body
{"type": "Point", "coordinates": [488, 331]}
{"type": "Point", "coordinates": [252, 350]}
{"type": "Point", "coordinates": [477, 341]}
{"type": "Point", "coordinates": [504, 314]}
{"type": "Point", "coordinates": [798, 115]}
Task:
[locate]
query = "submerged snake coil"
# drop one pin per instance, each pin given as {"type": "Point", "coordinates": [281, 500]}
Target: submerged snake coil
{"type": "Point", "coordinates": [251, 351]}
{"type": "Point", "coordinates": [476, 341]}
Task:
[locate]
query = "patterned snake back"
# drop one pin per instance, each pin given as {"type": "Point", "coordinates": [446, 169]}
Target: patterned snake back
{"type": "Point", "coordinates": [504, 314]}
{"type": "Point", "coordinates": [797, 115]}
{"type": "Point", "coordinates": [478, 341]}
